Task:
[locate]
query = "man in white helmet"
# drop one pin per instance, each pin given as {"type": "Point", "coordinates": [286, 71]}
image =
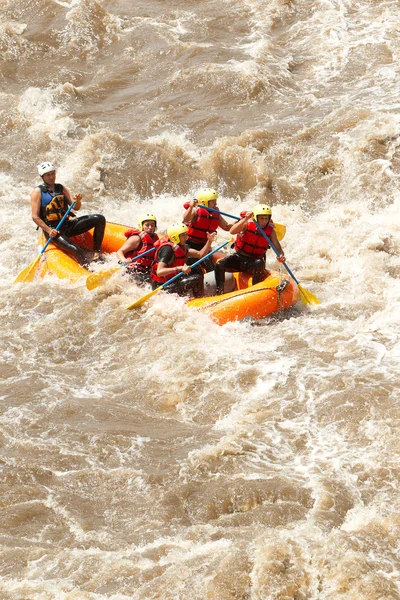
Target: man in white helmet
{"type": "Point", "coordinates": [50, 202]}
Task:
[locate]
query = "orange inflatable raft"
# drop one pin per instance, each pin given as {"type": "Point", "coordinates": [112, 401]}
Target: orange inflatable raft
{"type": "Point", "coordinates": [277, 292]}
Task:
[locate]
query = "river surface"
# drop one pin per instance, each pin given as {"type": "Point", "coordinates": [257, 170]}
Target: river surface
{"type": "Point", "coordinates": [152, 454]}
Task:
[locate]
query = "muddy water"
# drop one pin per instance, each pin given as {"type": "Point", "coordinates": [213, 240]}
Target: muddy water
{"type": "Point", "coordinates": [152, 454]}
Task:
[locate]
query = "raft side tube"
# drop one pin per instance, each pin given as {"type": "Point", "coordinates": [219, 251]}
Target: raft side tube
{"type": "Point", "coordinates": [258, 301]}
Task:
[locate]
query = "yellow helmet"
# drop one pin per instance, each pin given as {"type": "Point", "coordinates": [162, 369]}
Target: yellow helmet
{"type": "Point", "coordinates": [204, 195]}
{"type": "Point", "coordinates": [175, 231]}
{"type": "Point", "coordinates": [147, 217]}
{"type": "Point", "coordinates": [261, 209]}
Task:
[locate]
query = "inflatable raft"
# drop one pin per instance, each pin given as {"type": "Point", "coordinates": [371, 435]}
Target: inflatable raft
{"type": "Point", "coordinates": [277, 292]}
{"type": "Point", "coordinates": [243, 300]}
{"type": "Point", "coordinates": [58, 263]}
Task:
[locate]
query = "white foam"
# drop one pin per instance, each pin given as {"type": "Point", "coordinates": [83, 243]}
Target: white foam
{"type": "Point", "coordinates": [44, 116]}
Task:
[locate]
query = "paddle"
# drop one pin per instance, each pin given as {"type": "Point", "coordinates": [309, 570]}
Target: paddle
{"type": "Point", "coordinates": [306, 296]}
{"type": "Point", "coordinates": [28, 273]}
{"type": "Point", "coordinates": [279, 229]}
{"type": "Point", "coordinates": [93, 281]}
{"type": "Point", "coordinates": [143, 299]}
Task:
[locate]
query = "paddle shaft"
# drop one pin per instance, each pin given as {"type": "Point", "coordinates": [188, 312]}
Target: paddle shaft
{"type": "Point", "coordinates": [195, 264]}
{"type": "Point", "coordinates": [138, 256]}
{"type": "Point", "coordinates": [219, 211]}
{"type": "Point", "coordinates": [260, 229]}
{"type": "Point", "coordinates": [276, 225]}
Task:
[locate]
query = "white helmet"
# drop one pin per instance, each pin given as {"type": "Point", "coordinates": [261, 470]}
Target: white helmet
{"type": "Point", "coordinates": [45, 167]}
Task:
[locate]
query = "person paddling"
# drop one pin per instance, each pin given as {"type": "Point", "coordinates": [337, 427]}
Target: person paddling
{"type": "Point", "coordinates": [138, 242]}
{"type": "Point", "coordinates": [201, 221]}
{"type": "Point", "coordinates": [50, 202]}
{"type": "Point", "coordinates": [250, 247]}
{"type": "Point", "coordinates": [171, 258]}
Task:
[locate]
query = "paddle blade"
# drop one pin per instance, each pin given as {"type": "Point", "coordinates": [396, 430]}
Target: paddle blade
{"type": "Point", "coordinates": [96, 279]}
{"type": "Point", "coordinates": [28, 274]}
{"type": "Point", "coordinates": [307, 297]}
{"type": "Point", "coordinates": [280, 231]}
{"type": "Point", "coordinates": [143, 299]}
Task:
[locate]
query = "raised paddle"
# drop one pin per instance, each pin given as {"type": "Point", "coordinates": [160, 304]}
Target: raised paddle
{"type": "Point", "coordinates": [28, 274]}
{"type": "Point", "coordinates": [143, 299]}
{"type": "Point", "coordinates": [306, 296]}
{"type": "Point", "coordinates": [93, 281]}
{"type": "Point", "coordinates": [279, 229]}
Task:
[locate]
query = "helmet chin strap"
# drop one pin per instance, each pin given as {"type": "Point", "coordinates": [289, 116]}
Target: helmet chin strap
{"type": "Point", "coordinates": [46, 184]}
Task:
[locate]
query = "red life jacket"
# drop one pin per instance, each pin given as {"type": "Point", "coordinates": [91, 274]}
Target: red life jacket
{"type": "Point", "coordinates": [147, 242]}
{"type": "Point", "coordinates": [251, 242]}
{"type": "Point", "coordinates": [204, 221]}
{"type": "Point", "coordinates": [180, 257]}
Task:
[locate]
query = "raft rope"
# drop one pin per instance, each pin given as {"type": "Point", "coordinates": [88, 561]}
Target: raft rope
{"type": "Point", "coordinates": [280, 289]}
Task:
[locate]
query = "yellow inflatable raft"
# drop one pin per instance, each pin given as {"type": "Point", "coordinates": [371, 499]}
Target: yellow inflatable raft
{"type": "Point", "coordinates": [277, 292]}
{"type": "Point", "coordinates": [58, 263]}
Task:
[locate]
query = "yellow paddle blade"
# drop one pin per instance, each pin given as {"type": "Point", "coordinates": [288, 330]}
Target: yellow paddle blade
{"type": "Point", "coordinates": [307, 297]}
{"type": "Point", "coordinates": [96, 279]}
{"type": "Point", "coordinates": [280, 231]}
{"type": "Point", "coordinates": [28, 274]}
{"type": "Point", "coordinates": [143, 299]}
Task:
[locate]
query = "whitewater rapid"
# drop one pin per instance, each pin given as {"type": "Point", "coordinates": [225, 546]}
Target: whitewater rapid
{"type": "Point", "coordinates": [152, 453]}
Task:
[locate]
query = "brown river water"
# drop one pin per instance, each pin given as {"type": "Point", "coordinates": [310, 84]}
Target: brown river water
{"type": "Point", "coordinates": [152, 454]}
